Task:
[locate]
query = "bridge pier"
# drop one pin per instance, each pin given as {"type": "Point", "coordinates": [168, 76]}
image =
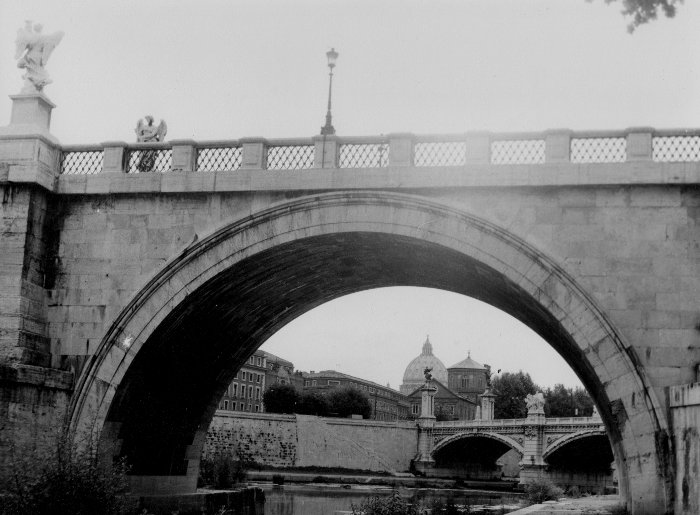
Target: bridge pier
{"type": "Point", "coordinates": [35, 397]}
{"type": "Point", "coordinates": [424, 461]}
{"type": "Point", "coordinates": [532, 465]}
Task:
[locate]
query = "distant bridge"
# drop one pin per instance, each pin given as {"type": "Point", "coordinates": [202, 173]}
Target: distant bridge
{"type": "Point", "coordinates": [550, 448]}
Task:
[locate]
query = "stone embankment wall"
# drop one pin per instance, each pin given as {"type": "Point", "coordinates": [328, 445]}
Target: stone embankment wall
{"type": "Point", "coordinates": [307, 441]}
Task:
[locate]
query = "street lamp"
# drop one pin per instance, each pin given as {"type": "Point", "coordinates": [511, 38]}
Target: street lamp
{"type": "Point", "coordinates": [328, 129]}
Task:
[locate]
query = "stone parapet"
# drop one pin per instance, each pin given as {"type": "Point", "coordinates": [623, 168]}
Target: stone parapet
{"type": "Point", "coordinates": [254, 153]}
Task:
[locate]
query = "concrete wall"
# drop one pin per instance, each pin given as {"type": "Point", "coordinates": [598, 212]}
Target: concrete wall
{"type": "Point", "coordinates": [307, 441]}
{"type": "Point", "coordinates": [685, 415]}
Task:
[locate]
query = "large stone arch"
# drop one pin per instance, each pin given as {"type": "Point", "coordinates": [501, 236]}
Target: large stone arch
{"type": "Point", "coordinates": [505, 440]}
{"type": "Point", "coordinates": [266, 268]}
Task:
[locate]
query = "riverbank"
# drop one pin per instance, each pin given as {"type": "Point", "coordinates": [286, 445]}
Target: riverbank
{"type": "Point", "coordinates": [590, 505]}
{"type": "Point", "coordinates": [397, 480]}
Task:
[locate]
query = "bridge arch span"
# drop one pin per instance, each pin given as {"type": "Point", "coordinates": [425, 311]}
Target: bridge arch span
{"type": "Point", "coordinates": [570, 438]}
{"type": "Point", "coordinates": [510, 442]}
{"type": "Point", "coordinates": [153, 385]}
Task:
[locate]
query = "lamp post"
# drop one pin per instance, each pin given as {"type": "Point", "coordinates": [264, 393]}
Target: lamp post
{"type": "Point", "coordinates": [328, 129]}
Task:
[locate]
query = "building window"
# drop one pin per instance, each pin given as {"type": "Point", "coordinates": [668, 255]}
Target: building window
{"type": "Point", "coordinates": [257, 394]}
{"type": "Point", "coordinates": [306, 383]}
{"type": "Point", "coordinates": [242, 407]}
{"type": "Point", "coordinates": [414, 409]}
{"type": "Point", "coordinates": [225, 404]}
{"type": "Point", "coordinates": [257, 408]}
{"type": "Point", "coordinates": [235, 390]}
{"type": "Point", "coordinates": [249, 407]}
{"type": "Point", "coordinates": [313, 383]}
{"type": "Point", "coordinates": [250, 392]}
{"type": "Point", "coordinates": [243, 391]}
{"type": "Point", "coordinates": [333, 383]}
{"type": "Point", "coordinates": [371, 390]}
{"type": "Point", "coordinates": [259, 361]}
{"type": "Point", "coordinates": [258, 378]}
{"type": "Point", "coordinates": [243, 376]}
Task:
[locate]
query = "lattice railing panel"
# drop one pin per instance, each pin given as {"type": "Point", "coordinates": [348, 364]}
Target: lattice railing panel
{"type": "Point", "coordinates": [147, 160]}
{"type": "Point", "coordinates": [364, 155]}
{"type": "Point", "coordinates": [440, 153]}
{"type": "Point", "coordinates": [517, 151]}
{"type": "Point", "coordinates": [290, 157]}
{"type": "Point", "coordinates": [219, 158]}
{"type": "Point", "coordinates": [82, 162]}
{"type": "Point", "coordinates": [676, 148]}
{"type": "Point", "coordinates": [598, 150]}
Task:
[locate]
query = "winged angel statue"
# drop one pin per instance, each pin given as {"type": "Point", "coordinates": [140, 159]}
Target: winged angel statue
{"type": "Point", "coordinates": [33, 51]}
{"type": "Point", "coordinates": [149, 133]}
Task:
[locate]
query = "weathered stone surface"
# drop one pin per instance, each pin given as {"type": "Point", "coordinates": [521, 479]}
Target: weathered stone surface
{"type": "Point", "coordinates": [624, 237]}
{"type": "Point", "coordinates": [306, 441]}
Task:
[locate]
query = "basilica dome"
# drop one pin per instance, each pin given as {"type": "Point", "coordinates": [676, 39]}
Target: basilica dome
{"type": "Point", "coordinates": [414, 376]}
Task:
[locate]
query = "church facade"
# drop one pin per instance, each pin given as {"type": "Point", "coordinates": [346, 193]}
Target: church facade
{"type": "Point", "coordinates": [459, 386]}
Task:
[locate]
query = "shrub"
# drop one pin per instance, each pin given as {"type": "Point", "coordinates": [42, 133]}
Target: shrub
{"type": "Point", "coordinates": [392, 505]}
{"type": "Point", "coordinates": [221, 472]}
{"type": "Point", "coordinates": [574, 492]}
{"type": "Point", "coordinates": [540, 490]}
{"type": "Point", "coordinates": [68, 480]}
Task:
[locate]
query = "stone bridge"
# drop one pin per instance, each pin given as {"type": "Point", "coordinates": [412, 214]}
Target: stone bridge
{"type": "Point", "coordinates": [538, 441]}
{"type": "Point", "coordinates": [128, 299]}
{"type": "Point", "coordinates": [570, 451]}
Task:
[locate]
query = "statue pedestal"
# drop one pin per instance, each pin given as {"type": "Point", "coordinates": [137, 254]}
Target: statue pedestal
{"type": "Point", "coordinates": [31, 116]}
{"type": "Point", "coordinates": [26, 145]}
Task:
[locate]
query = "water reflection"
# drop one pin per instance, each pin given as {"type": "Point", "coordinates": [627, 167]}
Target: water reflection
{"type": "Point", "coordinates": [331, 499]}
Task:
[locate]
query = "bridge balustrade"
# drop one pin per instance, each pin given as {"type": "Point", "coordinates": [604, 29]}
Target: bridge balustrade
{"type": "Point", "coordinates": [428, 151]}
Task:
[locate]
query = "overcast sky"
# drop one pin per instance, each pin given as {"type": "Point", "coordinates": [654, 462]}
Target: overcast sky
{"type": "Point", "coordinates": [232, 69]}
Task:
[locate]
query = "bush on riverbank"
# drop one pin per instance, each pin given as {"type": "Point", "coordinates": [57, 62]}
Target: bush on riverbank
{"type": "Point", "coordinates": [540, 490]}
{"type": "Point", "coordinates": [221, 472]}
{"type": "Point", "coordinates": [392, 505]}
{"type": "Point", "coordinates": [67, 480]}
{"type": "Point", "coordinates": [396, 505]}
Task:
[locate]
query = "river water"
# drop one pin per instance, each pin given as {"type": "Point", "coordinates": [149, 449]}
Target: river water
{"type": "Point", "coordinates": [331, 499]}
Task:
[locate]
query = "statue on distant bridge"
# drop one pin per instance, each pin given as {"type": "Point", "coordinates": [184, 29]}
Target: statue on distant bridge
{"type": "Point", "coordinates": [33, 52]}
{"type": "Point", "coordinates": [428, 375]}
{"type": "Point", "coordinates": [535, 403]}
{"type": "Point", "coordinates": [149, 133]}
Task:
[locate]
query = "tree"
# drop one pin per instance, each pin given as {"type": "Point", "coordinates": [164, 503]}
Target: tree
{"type": "Point", "coordinates": [561, 401]}
{"type": "Point", "coordinates": [313, 403]}
{"type": "Point", "coordinates": [281, 398]}
{"type": "Point", "coordinates": [644, 11]}
{"type": "Point", "coordinates": [343, 402]}
{"type": "Point", "coordinates": [510, 389]}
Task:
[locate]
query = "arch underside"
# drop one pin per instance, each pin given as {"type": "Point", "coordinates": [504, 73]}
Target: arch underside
{"type": "Point", "coordinates": [196, 322]}
{"type": "Point", "coordinates": [480, 451]}
{"type": "Point", "coordinates": [587, 452]}
{"type": "Point", "coordinates": [482, 446]}
{"type": "Point", "coordinates": [194, 353]}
